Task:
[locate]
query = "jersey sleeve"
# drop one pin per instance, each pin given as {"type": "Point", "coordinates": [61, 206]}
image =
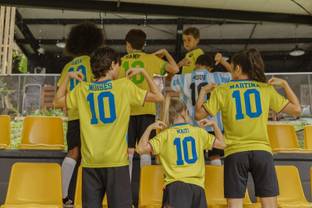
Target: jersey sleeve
{"type": "Point", "coordinates": [225, 77]}
{"type": "Point", "coordinates": [72, 99]}
{"type": "Point", "coordinates": [176, 82]}
{"type": "Point", "coordinates": [196, 54]}
{"type": "Point", "coordinates": [158, 65]}
{"type": "Point", "coordinates": [136, 95]}
{"type": "Point", "coordinates": [157, 143]}
{"type": "Point", "coordinates": [277, 101]}
{"type": "Point", "coordinates": [208, 139]}
{"type": "Point", "coordinates": [213, 104]}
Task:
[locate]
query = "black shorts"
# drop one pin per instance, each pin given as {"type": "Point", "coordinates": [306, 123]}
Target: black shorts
{"type": "Point", "coordinates": [261, 166]}
{"type": "Point", "coordinates": [137, 127]}
{"type": "Point", "coordinates": [73, 134]}
{"type": "Point", "coordinates": [184, 195]}
{"type": "Point", "coordinates": [215, 151]}
{"type": "Point", "coordinates": [115, 182]}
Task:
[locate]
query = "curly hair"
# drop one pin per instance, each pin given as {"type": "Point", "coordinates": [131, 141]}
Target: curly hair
{"type": "Point", "coordinates": [101, 61]}
{"type": "Point", "coordinates": [83, 39]}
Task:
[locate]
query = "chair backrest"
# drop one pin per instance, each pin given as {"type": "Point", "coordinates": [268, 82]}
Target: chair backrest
{"type": "Point", "coordinates": [41, 130]}
{"type": "Point", "coordinates": [214, 187]}
{"type": "Point", "coordinates": [289, 183]}
{"type": "Point", "coordinates": [35, 183]}
{"type": "Point", "coordinates": [5, 127]}
{"type": "Point", "coordinates": [282, 137]}
{"type": "Point", "coordinates": [308, 137]}
{"type": "Point", "coordinates": [78, 191]}
{"type": "Point", "coordinates": [151, 186]}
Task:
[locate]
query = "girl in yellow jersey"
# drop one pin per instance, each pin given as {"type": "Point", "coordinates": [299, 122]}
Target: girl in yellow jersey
{"type": "Point", "coordinates": [180, 148]}
{"type": "Point", "coordinates": [245, 103]}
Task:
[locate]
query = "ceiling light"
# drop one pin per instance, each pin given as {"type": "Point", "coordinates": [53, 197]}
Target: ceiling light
{"type": "Point", "coordinates": [61, 43]}
{"type": "Point", "coordinates": [297, 51]}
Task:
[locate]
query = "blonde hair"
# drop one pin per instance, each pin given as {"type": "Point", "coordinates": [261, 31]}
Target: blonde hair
{"type": "Point", "coordinates": [176, 107]}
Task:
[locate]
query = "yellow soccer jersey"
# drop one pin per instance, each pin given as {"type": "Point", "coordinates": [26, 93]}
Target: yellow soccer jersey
{"type": "Point", "coordinates": [181, 153]}
{"type": "Point", "coordinates": [104, 111]}
{"type": "Point", "coordinates": [153, 65]}
{"type": "Point", "coordinates": [192, 56]}
{"type": "Point", "coordinates": [82, 64]}
{"type": "Point", "coordinates": [245, 107]}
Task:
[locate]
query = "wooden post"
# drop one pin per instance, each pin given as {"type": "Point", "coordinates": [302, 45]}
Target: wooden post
{"type": "Point", "coordinates": [7, 22]}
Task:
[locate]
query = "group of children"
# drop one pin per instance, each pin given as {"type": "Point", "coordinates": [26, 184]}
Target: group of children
{"type": "Point", "coordinates": [111, 109]}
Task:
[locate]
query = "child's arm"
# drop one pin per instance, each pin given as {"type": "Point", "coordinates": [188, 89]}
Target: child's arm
{"type": "Point", "coordinates": [219, 142]}
{"type": "Point", "coordinates": [144, 146]}
{"type": "Point", "coordinates": [219, 59]}
{"type": "Point", "coordinates": [154, 95]}
{"type": "Point", "coordinates": [200, 112]}
{"type": "Point", "coordinates": [293, 108]}
{"type": "Point", "coordinates": [172, 67]}
{"type": "Point", "coordinates": [60, 97]}
{"type": "Point", "coordinates": [184, 62]}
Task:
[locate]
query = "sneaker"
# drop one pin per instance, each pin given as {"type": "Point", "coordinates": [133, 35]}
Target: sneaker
{"type": "Point", "coordinates": [68, 203]}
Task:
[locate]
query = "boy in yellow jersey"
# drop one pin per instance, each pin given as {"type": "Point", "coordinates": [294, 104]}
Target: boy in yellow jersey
{"type": "Point", "coordinates": [143, 116]}
{"type": "Point", "coordinates": [180, 148]}
{"type": "Point", "coordinates": [83, 39]}
{"type": "Point", "coordinates": [245, 103]}
{"type": "Point", "coordinates": [104, 110]}
{"type": "Point", "coordinates": [191, 38]}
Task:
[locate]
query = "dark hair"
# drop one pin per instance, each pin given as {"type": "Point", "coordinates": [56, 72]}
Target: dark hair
{"type": "Point", "coordinates": [205, 60]}
{"type": "Point", "coordinates": [83, 39]}
{"type": "Point", "coordinates": [136, 38]}
{"type": "Point", "coordinates": [101, 61]}
{"type": "Point", "coordinates": [193, 31]}
{"type": "Point", "coordinates": [176, 107]}
{"type": "Point", "coordinates": [251, 63]}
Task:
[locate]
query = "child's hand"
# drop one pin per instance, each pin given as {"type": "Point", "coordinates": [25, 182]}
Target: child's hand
{"type": "Point", "coordinates": [161, 53]}
{"type": "Point", "coordinates": [277, 82]}
{"type": "Point", "coordinates": [158, 125]}
{"type": "Point", "coordinates": [206, 122]}
{"type": "Point", "coordinates": [134, 71]}
{"type": "Point", "coordinates": [185, 62]}
{"type": "Point", "coordinates": [208, 88]}
{"type": "Point", "coordinates": [218, 58]}
{"type": "Point", "coordinates": [76, 75]}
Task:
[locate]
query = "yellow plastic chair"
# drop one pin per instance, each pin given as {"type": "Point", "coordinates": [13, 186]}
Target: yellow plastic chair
{"type": "Point", "coordinates": [283, 138]}
{"type": "Point", "coordinates": [308, 137]}
{"type": "Point", "coordinates": [151, 186]}
{"type": "Point", "coordinates": [40, 132]}
{"type": "Point", "coordinates": [78, 191]}
{"type": "Point", "coordinates": [34, 185]}
{"type": "Point", "coordinates": [5, 127]}
{"type": "Point", "coordinates": [214, 189]}
{"type": "Point", "coordinates": [291, 192]}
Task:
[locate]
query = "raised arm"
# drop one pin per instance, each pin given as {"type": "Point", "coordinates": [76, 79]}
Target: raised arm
{"type": "Point", "coordinates": [154, 95]}
{"type": "Point", "coordinates": [200, 112]}
{"type": "Point", "coordinates": [219, 142]}
{"type": "Point", "coordinates": [219, 59]}
{"type": "Point", "coordinates": [172, 66]}
{"type": "Point", "coordinates": [293, 108]}
{"type": "Point", "coordinates": [60, 97]}
{"type": "Point", "coordinates": [144, 146]}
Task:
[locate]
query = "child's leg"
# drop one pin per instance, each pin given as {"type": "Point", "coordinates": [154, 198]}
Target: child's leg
{"type": "Point", "coordinates": [144, 121]}
{"type": "Point", "coordinates": [93, 190]}
{"type": "Point", "coordinates": [235, 203]}
{"type": "Point", "coordinates": [265, 179]}
{"type": "Point", "coordinates": [268, 202]}
{"type": "Point", "coordinates": [70, 161]}
{"type": "Point", "coordinates": [118, 189]}
{"type": "Point", "coordinates": [178, 194]}
{"type": "Point", "coordinates": [132, 138]}
{"type": "Point", "coordinates": [236, 168]}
